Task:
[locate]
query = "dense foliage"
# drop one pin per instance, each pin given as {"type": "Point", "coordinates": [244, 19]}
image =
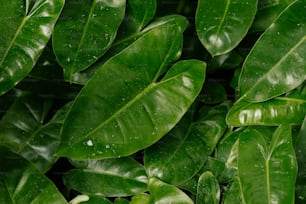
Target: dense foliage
{"type": "Point", "coordinates": [153, 101]}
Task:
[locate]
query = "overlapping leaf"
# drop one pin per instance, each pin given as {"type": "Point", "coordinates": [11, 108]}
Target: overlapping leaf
{"type": "Point", "coordinates": [24, 131]}
{"type": "Point", "coordinates": [277, 64]}
{"type": "Point", "coordinates": [183, 152]}
{"type": "Point", "coordinates": [111, 177]}
{"type": "Point", "coordinates": [85, 31]}
{"type": "Point", "coordinates": [267, 168]}
{"type": "Point", "coordinates": [21, 182]}
{"type": "Point", "coordinates": [222, 24]}
{"type": "Point", "coordinates": [24, 33]}
{"type": "Point", "coordinates": [129, 110]}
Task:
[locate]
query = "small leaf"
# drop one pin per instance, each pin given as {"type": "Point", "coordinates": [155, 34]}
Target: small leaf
{"type": "Point", "coordinates": [163, 193]}
{"type": "Point", "coordinates": [27, 32]}
{"type": "Point", "coordinates": [129, 110]}
{"type": "Point", "coordinates": [110, 178]}
{"type": "Point", "coordinates": [265, 73]}
{"type": "Point", "coordinates": [85, 199]}
{"type": "Point", "coordinates": [141, 198]}
{"type": "Point", "coordinates": [222, 24]}
{"type": "Point", "coordinates": [21, 182]}
{"type": "Point", "coordinates": [208, 189]}
{"type": "Point", "coordinates": [77, 47]}
{"type": "Point", "coordinates": [234, 193]}
{"type": "Point", "coordinates": [183, 152]}
{"type": "Point", "coordinates": [267, 169]}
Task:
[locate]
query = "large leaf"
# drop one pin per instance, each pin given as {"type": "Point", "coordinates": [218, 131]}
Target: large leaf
{"type": "Point", "coordinates": [24, 131]}
{"type": "Point", "coordinates": [267, 169]}
{"type": "Point", "coordinates": [21, 182]}
{"type": "Point", "coordinates": [276, 64]}
{"type": "Point", "coordinates": [300, 150]}
{"type": "Point", "coordinates": [286, 109]}
{"type": "Point", "coordinates": [222, 24]}
{"type": "Point", "coordinates": [25, 32]}
{"type": "Point", "coordinates": [183, 152]}
{"type": "Point", "coordinates": [110, 177]}
{"type": "Point", "coordinates": [208, 189]}
{"type": "Point", "coordinates": [129, 109]}
{"type": "Point", "coordinates": [85, 31]}
{"type": "Point", "coordinates": [163, 193]}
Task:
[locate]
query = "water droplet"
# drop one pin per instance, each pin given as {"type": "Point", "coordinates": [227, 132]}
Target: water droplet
{"type": "Point", "coordinates": [89, 143]}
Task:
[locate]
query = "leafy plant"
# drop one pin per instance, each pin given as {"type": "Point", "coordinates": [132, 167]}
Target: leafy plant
{"type": "Point", "coordinates": [131, 101]}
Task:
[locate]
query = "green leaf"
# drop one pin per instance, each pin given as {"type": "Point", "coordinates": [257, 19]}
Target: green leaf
{"type": "Point", "coordinates": [286, 109]}
{"type": "Point", "coordinates": [24, 131]}
{"type": "Point", "coordinates": [138, 14]}
{"type": "Point", "coordinates": [267, 12]}
{"type": "Point", "coordinates": [213, 93]}
{"type": "Point", "coordinates": [183, 152]}
{"type": "Point", "coordinates": [141, 198]}
{"type": "Point", "coordinates": [27, 32]}
{"type": "Point", "coordinates": [21, 182]}
{"type": "Point", "coordinates": [129, 109]}
{"type": "Point", "coordinates": [300, 150]}
{"type": "Point", "coordinates": [85, 199]}
{"type": "Point", "coordinates": [163, 193]}
{"type": "Point", "coordinates": [208, 189]}
{"type": "Point", "coordinates": [222, 24]}
{"type": "Point", "coordinates": [110, 178]}
{"type": "Point", "coordinates": [234, 193]}
{"type": "Point", "coordinates": [77, 47]}
{"type": "Point", "coordinates": [267, 169]}
{"type": "Point", "coordinates": [265, 73]}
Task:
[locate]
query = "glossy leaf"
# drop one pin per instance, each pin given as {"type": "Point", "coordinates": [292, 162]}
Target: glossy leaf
{"type": "Point", "coordinates": [208, 189]}
{"type": "Point", "coordinates": [300, 150]}
{"type": "Point", "coordinates": [131, 109]}
{"type": "Point", "coordinates": [121, 201]}
{"type": "Point", "coordinates": [111, 177]}
{"type": "Point", "coordinates": [267, 12]}
{"type": "Point", "coordinates": [222, 24]}
{"type": "Point", "coordinates": [291, 110]}
{"type": "Point", "coordinates": [183, 152]}
{"type": "Point", "coordinates": [163, 193]}
{"type": "Point", "coordinates": [21, 182]}
{"type": "Point", "coordinates": [234, 193]}
{"type": "Point", "coordinates": [27, 31]}
{"type": "Point", "coordinates": [265, 73]}
{"type": "Point", "coordinates": [141, 198]}
{"type": "Point", "coordinates": [24, 131]}
{"type": "Point", "coordinates": [84, 32]}
{"type": "Point", "coordinates": [138, 14]}
{"type": "Point", "coordinates": [267, 169]}
{"type": "Point", "coordinates": [85, 199]}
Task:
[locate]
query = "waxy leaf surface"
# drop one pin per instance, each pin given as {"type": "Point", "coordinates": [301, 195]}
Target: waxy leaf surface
{"type": "Point", "coordinates": [290, 109]}
{"type": "Point", "coordinates": [277, 63]}
{"type": "Point", "coordinates": [267, 168]}
{"type": "Point", "coordinates": [234, 193]}
{"type": "Point", "coordinates": [222, 24]}
{"type": "Point", "coordinates": [21, 182]}
{"type": "Point", "coordinates": [85, 31]}
{"type": "Point", "coordinates": [24, 34]}
{"type": "Point", "coordinates": [110, 177]}
{"type": "Point", "coordinates": [208, 191]}
{"type": "Point", "coordinates": [163, 193]}
{"type": "Point", "coordinates": [24, 131]}
{"type": "Point", "coordinates": [129, 109]}
{"type": "Point", "coordinates": [182, 153]}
